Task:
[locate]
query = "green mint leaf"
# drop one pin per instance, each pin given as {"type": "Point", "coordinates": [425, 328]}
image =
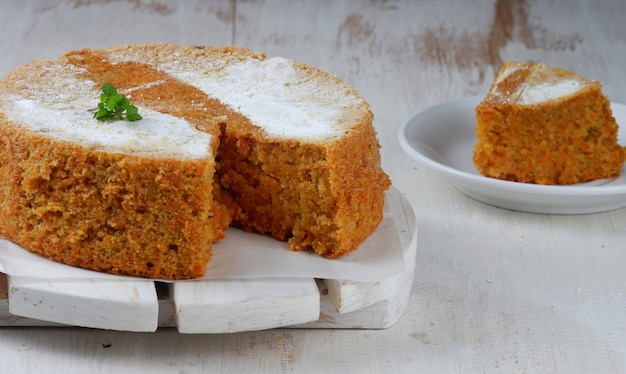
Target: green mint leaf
{"type": "Point", "coordinates": [132, 113]}
{"type": "Point", "coordinates": [123, 103]}
{"type": "Point", "coordinates": [112, 101]}
{"type": "Point", "coordinates": [114, 106]}
{"type": "Point", "coordinates": [109, 89]}
{"type": "Point", "coordinates": [102, 112]}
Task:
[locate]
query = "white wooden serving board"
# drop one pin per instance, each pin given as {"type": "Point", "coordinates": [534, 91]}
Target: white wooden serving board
{"type": "Point", "coordinates": [216, 306]}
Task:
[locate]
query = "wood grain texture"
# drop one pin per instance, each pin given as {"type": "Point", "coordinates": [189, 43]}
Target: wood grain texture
{"type": "Point", "coordinates": [494, 290]}
{"type": "Point", "coordinates": [114, 305]}
{"type": "Point", "coordinates": [227, 306]}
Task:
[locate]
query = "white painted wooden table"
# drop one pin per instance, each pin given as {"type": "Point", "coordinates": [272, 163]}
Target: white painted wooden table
{"type": "Point", "coordinates": [494, 290]}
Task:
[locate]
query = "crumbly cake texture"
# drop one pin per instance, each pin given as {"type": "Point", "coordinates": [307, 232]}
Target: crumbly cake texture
{"type": "Point", "coordinates": [229, 137]}
{"type": "Point", "coordinates": [545, 125]}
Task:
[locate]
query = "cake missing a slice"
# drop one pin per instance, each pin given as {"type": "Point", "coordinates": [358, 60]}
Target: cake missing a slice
{"type": "Point", "coordinates": [227, 137]}
{"type": "Point", "coordinates": [545, 125]}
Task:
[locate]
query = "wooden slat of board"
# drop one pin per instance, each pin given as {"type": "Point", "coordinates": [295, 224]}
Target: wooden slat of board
{"type": "Point", "coordinates": [105, 304]}
{"type": "Point", "coordinates": [224, 306]}
{"type": "Point", "coordinates": [377, 316]}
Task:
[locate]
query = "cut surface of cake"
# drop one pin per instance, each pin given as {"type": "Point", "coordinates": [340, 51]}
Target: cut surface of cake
{"type": "Point", "coordinates": [545, 125]}
{"type": "Point", "coordinates": [228, 137]}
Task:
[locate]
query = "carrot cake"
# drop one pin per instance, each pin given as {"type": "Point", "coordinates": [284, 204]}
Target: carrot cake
{"type": "Point", "coordinates": [228, 137]}
{"type": "Point", "coordinates": [546, 126]}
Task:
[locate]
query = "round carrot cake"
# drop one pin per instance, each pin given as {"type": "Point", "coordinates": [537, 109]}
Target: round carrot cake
{"type": "Point", "coordinates": [226, 137]}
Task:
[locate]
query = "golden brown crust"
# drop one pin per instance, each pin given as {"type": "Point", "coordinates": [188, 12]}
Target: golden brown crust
{"type": "Point", "coordinates": [150, 217]}
{"type": "Point", "coordinates": [563, 140]}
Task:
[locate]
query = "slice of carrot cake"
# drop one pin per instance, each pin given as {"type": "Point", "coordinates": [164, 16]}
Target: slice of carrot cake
{"type": "Point", "coordinates": [546, 126]}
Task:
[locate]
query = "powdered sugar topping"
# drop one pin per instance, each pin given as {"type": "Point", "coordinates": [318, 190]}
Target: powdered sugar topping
{"type": "Point", "coordinates": [535, 84]}
{"type": "Point", "coordinates": [283, 98]}
{"type": "Point", "coordinates": [537, 93]}
{"type": "Point", "coordinates": [64, 114]}
{"type": "Point", "coordinates": [274, 95]}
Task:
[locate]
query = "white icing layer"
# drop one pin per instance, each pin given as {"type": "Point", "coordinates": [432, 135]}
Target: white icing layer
{"type": "Point", "coordinates": [273, 94]}
{"type": "Point", "coordinates": [62, 112]}
{"type": "Point", "coordinates": [537, 93]}
{"type": "Point", "coordinates": [541, 85]}
{"type": "Point", "coordinates": [157, 134]}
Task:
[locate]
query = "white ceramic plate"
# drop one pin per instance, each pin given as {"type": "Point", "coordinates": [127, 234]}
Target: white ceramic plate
{"type": "Point", "coordinates": [442, 139]}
